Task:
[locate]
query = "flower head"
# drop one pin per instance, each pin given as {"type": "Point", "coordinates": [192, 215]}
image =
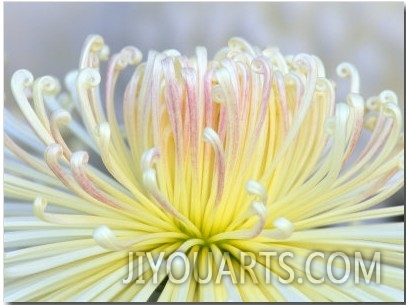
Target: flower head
{"type": "Point", "coordinates": [241, 156]}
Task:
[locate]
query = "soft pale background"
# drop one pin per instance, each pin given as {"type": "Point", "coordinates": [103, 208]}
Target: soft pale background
{"type": "Point", "coordinates": [46, 38]}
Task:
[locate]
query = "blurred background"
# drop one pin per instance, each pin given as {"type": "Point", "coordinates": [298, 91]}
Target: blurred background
{"type": "Point", "coordinates": [46, 38]}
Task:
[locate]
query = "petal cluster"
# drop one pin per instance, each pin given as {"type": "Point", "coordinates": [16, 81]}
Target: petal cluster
{"type": "Point", "coordinates": [246, 153]}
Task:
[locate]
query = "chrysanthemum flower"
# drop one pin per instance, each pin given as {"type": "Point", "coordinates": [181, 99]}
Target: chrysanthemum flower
{"type": "Point", "coordinates": [241, 156]}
